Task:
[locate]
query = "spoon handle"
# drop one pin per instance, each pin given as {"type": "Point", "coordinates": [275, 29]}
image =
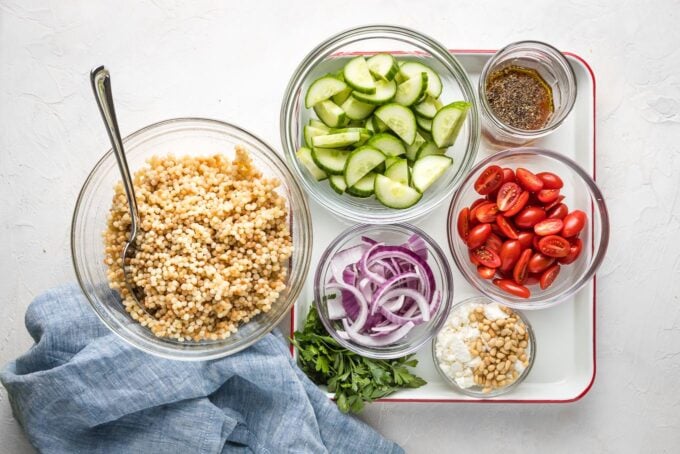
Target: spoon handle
{"type": "Point", "coordinates": [101, 86]}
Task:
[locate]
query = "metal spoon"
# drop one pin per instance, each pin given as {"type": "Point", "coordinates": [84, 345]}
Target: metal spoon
{"type": "Point", "coordinates": [101, 85]}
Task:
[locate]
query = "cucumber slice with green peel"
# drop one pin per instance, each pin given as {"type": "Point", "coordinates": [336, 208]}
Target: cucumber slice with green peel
{"type": "Point", "coordinates": [358, 76]}
{"type": "Point", "coordinates": [389, 160]}
{"type": "Point", "coordinates": [399, 172]}
{"type": "Point", "coordinates": [393, 194]}
{"type": "Point", "coordinates": [337, 183]}
{"type": "Point", "coordinates": [428, 108]}
{"type": "Point", "coordinates": [360, 162]}
{"type": "Point", "coordinates": [399, 119]}
{"type": "Point", "coordinates": [318, 124]}
{"type": "Point", "coordinates": [363, 187]}
{"type": "Point", "coordinates": [411, 90]}
{"type": "Point", "coordinates": [323, 89]}
{"type": "Point", "coordinates": [448, 122]}
{"type": "Point", "coordinates": [336, 140]}
{"type": "Point", "coordinates": [369, 125]}
{"type": "Point", "coordinates": [388, 144]}
{"type": "Point", "coordinates": [304, 154]}
{"type": "Point", "coordinates": [330, 113]}
{"type": "Point", "coordinates": [434, 84]}
{"type": "Point", "coordinates": [330, 160]}
{"type": "Point", "coordinates": [412, 150]}
{"type": "Point", "coordinates": [427, 149]}
{"type": "Point", "coordinates": [342, 96]}
{"type": "Point", "coordinates": [357, 110]}
{"type": "Point", "coordinates": [378, 124]}
{"type": "Point", "coordinates": [424, 123]}
{"type": "Point", "coordinates": [428, 169]}
{"type": "Point", "coordinates": [356, 124]}
{"type": "Point", "coordinates": [383, 66]}
{"type": "Point", "coordinates": [385, 90]}
{"type": "Point", "coordinates": [364, 134]}
{"type": "Point", "coordinates": [311, 131]}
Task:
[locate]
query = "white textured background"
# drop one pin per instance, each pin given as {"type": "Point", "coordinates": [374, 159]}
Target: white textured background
{"type": "Point", "coordinates": [232, 60]}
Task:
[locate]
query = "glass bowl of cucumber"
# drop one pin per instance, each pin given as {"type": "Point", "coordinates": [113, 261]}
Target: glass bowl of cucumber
{"type": "Point", "coordinates": [380, 124]}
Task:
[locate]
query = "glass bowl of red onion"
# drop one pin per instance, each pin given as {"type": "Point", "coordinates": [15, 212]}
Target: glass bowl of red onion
{"type": "Point", "coordinates": [383, 291]}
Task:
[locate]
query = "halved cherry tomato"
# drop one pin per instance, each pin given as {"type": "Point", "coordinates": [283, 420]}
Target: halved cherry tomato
{"type": "Point", "coordinates": [464, 223]}
{"type": "Point", "coordinates": [574, 252]}
{"type": "Point", "coordinates": [549, 275]}
{"type": "Point", "coordinates": [548, 196]}
{"type": "Point", "coordinates": [508, 175]}
{"type": "Point", "coordinates": [534, 242]}
{"type": "Point", "coordinates": [574, 223]}
{"type": "Point", "coordinates": [559, 211]}
{"type": "Point", "coordinates": [508, 195]}
{"type": "Point", "coordinates": [494, 242]}
{"type": "Point", "coordinates": [505, 227]}
{"type": "Point", "coordinates": [529, 217]}
{"type": "Point", "coordinates": [518, 205]}
{"type": "Point", "coordinates": [478, 235]}
{"type": "Point", "coordinates": [526, 239]}
{"type": "Point", "coordinates": [512, 287]}
{"type": "Point", "coordinates": [489, 180]}
{"type": "Point", "coordinates": [477, 202]}
{"type": "Point", "coordinates": [509, 254]}
{"type": "Point", "coordinates": [473, 259]}
{"type": "Point", "coordinates": [556, 202]}
{"type": "Point", "coordinates": [487, 257]}
{"type": "Point", "coordinates": [528, 180]}
{"type": "Point", "coordinates": [485, 272]}
{"type": "Point", "coordinates": [532, 279]}
{"type": "Point", "coordinates": [550, 180]}
{"type": "Point", "coordinates": [519, 272]}
{"type": "Point", "coordinates": [554, 246]}
{"type": "Point", "coordinates": [539, 262]}
{"type": "Point", "coordinates": [486, 212]}
{"type": "Point", "coordinates": [548, 227]}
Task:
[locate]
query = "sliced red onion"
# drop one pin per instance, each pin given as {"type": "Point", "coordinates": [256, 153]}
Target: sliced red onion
{"type": "Point", "coordinates": [379, 299]}
{"type": "Point", "coordinates": [360, 320]}
{"type": "Point", "coordinates": [395, 304]}
{"type": "Point", "coordinates": [343, 259]}
{"type": "Point", "coordinates": [336, 310]}
{"type": "Point", "coordinates": [422, 304]}
{"type": "Point", "coordinates": [364, 268]}
{"type": "Point", "coordinates": [380, 341]}
{"type": "Point", "coordinates": [368, 241]}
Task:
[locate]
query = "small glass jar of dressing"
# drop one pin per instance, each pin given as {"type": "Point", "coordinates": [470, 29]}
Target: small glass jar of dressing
{"type": "Point", "coordinates": [526, 90]}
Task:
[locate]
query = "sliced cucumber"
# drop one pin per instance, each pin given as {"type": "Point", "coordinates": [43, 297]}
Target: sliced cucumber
{"type": "Point", "coordinates": [337, 183]}
{"type": "Point", "coordinates": [330, 113]}
{"type": "Point", "coordinates": [412, 150]}
{"type": "Point", "coordinates": [427, 149]}
{"type": "Point", "coordinates": [369, 125]}
{"type": "Point", "coordinates": [357, 110]}
{"type": "Point", "coordinates": [364, 134]}
{"type": "Point", "coordinates": [363, 187]}
{"type": "Point", "coordinates": [322, 89]}
{"type": "Point", "coordinates": [336, 140]}
{"type": "Point", "coordinates": [378, 124]}
{"type": "Point", "coordinates": [360, 162]}
{"type": "Point", "coordinates": [356, 124]}
{"type": "Point", "coordinates": [399, 119]}
{"type": "Point", "coordinates": [318, 124]}
{"type": "Point", "coordinates": [388, 144]}
{"type": "Point", "coordinates": [304, 154]}
{"type": "Point", "coordinates": [357, 75]}
{"type": "Point", "coordinates": [330, 160]}
{"type": "Point", "coordinates": [393, 194]}
{"type": "Point", "coordinates": [410, 91]}
{"type": "Point", "coordinates": [383, 66]}
{"type": "Point", "coordinates": [434, 83]}
{"type": "Point", "coordinates": [447, 123]}
{"type": "Point", "coordinates": [342, 96]}
{"type": "Point", "coordinates": [389, 160]}
{"type": "Point", "coordinates": [399, 171]}
{"type": "Point", "coordinates": [384, 92]}
{"type": "Point", "coordinates": [426, 170]}
{"type": "Point", "coordinates": [428, 108]}
{"type": "Point", "coordinates": [311, 131]}
{"type": "Point", "coordinates": [424, 123]}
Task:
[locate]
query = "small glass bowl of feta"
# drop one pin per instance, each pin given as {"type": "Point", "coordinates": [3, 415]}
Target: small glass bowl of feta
{"type": "Point", "coordinates": [484, 349]}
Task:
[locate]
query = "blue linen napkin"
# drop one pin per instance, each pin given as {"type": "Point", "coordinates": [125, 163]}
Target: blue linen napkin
{"type": "Point", "coordinates": [82, 389]}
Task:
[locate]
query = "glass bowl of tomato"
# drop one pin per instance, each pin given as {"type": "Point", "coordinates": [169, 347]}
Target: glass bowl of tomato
{"type": "Point", "coordinates": [528, 227]}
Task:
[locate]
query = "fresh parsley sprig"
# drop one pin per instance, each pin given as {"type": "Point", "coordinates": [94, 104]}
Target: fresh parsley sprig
{"type": "Point", "coordinates": [354, 379]}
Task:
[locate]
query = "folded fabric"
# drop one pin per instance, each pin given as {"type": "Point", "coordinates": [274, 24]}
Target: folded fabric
{"type": "Point", "coordinates": [82, 389]}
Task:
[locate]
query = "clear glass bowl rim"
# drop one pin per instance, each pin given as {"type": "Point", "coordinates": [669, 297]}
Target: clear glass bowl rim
{"type": "Point", "coordinates": [200, 351]}
{"type": "Point", "coordinates": [435, 324]}
{"type": "Point", "coordinates": [596, 198]}
{"type": "Point", "coordinates": [498, 391]}
{"type": "Point", "coordinates": [377, 31]}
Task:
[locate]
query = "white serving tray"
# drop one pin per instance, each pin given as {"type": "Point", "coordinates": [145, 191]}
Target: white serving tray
{"type": "Point", "coordinates": [564, 369]}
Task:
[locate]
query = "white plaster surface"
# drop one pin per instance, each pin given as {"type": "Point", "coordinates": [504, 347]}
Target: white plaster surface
{"type": "Point", "coordinates": [232, 60]}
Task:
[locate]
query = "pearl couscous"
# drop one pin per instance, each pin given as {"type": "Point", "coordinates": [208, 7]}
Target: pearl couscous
{"type": "Point", "coordinates": [212, 247]}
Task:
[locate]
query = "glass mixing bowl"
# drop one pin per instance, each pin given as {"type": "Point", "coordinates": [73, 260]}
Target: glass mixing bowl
{"type": "Point", "coordinates": [182, 136]}
{"type": "Point", "coordinates": [330, 56]}
{"type": "Point", "coordinates": [580, 193]}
